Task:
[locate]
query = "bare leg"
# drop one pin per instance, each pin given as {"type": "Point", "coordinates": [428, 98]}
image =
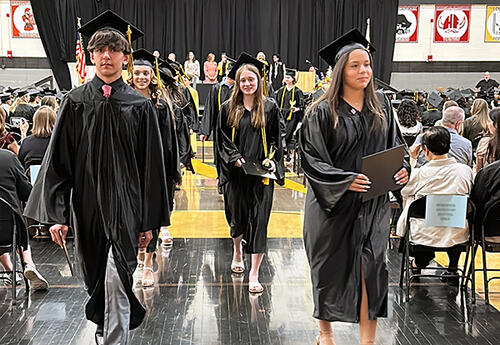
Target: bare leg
{"type": "Point", "coordinates": [367, 327]}
{"type": "Point", "coordinates": [147, 273]}
{"type": "Point", "coordinates": [27, 257]}
{"type": "Point", "coordinates": [5, 261]}
{"type": "Point", "coordinates": [254, 272]}
{"type": "Point", "coordinates": [325, 333]}
{"type": "Point", "coordinates": [237, 255]}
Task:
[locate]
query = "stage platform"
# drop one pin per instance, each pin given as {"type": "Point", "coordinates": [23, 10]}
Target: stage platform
{"type": "Point", "coordinates": [196, 299]}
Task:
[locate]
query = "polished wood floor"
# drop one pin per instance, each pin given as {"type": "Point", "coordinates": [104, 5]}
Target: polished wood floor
{"type": "Point", "coordinates": [196, 300]}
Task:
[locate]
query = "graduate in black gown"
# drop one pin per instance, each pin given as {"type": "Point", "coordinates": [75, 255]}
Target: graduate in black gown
{"type": "Point", "coordinates": [346, 239]}
{"type": "Point", "coordinates": [248, 130]}
{"type": "Point", "coordinates": [149, 85]}
{"type": "Point", "coordinates": [182, 110]}
{"type": "Point", "coordinates": [291, 102]}
{"type": "Point", "coordinates": [103, 174]}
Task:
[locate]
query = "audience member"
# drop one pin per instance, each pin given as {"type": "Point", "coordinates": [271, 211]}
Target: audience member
{"type": "Point", "coordinates": [171, 56]}
{"type": "Point", "coordinates": [210, 69]}
{"type": "Point", "coordinates": [14, 188]}
{"type": "Point", "coordinates": [446, 105]}
{"type": "Point", "coordinates": [476, 126]}
{"type": "Point", "coordinates": [486, 191]}
{"type": "Point", "coordinates": [441, 175]}
{"type": "Point", "coordinates": [488, 149]}
{"type": "Point", "coordinates": [6, 102]}
{"type": "Point", "coordinates": [460, 148]}
{"type": "Point", "coordinates": [7, 140]}
{"type": "Point", "coordinates": [21, 107]}
{"type": "Point", "coordinates": [192, 68]}
{"type": "Point", "coordinates": [409, 119]}
{"type": "Point", "coordinates": [33, 147]}
{"type": "Point", "coordinates": [50, 101]}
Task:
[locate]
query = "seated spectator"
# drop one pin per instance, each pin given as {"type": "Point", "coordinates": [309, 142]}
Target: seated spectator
{"type": "Point", "coordinates": [7, 140]}
{"type": "Point", "coordinates": [33, 147]}
{"type": "Point", "coordinates": [446, 105]}
{"type": "Point", "coordinates": [21, 107]}
{"type": "Point", "coordinates": [460, 148]}
{"type": "Point", "coordinates": [14, 188]}
{"type": "Point", "coordinates": [50, 101]}
{"type": "Point", "coordinates": [441, 175]}
{"type": "Point", "coordinates": [409, 120]}
{"type": "Point", "coordinates": [476, 126]}
{"type": "Point", "coordinates": [486, 191]}
{"type": "Point", "coordinates": [488, 149]}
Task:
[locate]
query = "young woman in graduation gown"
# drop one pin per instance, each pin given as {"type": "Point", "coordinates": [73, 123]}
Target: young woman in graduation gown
{"type": "Point", "coordinates": [248, 130]}
{"type": "Point", "coordinates": [345, 238]}
{"type": "Point", "coordinates": [145, 82]}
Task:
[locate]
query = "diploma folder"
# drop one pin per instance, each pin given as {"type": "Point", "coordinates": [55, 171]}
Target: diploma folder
{"type": "Point", "coordinates": [255, 168]}
{"type": "Point", "coordinates": [380, 168]}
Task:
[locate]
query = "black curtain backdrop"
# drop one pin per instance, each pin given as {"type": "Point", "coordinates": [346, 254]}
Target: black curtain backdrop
{"type": "Point", "coordinates": [294, 29]}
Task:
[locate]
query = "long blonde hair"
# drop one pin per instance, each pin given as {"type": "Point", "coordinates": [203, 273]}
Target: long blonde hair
{"type": "Point", "coordinates": [43, 122]}
{"type": "Point", "coordinates": [480, 113]}
{"type": "Point", "coordinates": [19, 100]}
{"type": "Point", "coordinates": [334, 94]}
{"type": "Point", "coordinates": [236, 107]}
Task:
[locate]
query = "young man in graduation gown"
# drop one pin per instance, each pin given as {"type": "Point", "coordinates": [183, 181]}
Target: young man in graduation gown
{"type": "Point", "coordinates": [103, 174]}
{"type": "Point", "coordinates": [291, 102]}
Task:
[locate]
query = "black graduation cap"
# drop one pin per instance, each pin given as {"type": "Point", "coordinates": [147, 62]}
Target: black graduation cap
{"type": "Point", "coordinates": [243, 59]}
{"type": "Point", "coordinates": [167, 71]}
{"type": "Point", "coordinates": [144, 58]}
{"type": "Point", "coordinates": [110, 20]}
{"type": "Point", "coordinates": [291, 72]}
{"type": "Point", "coordinates": [434, 99]}
{"type": "Point", "coordinates": [353, 39]}
{"type": "Point", "coordinates": [47, 91]}
{"type": "Point", "coordinates": [21, 93]}
{"type": "Point", "coordinates": [455, 95]}
{"type": "Point", "coordinates": [467, 92]}
{"type": "Point", "coordinates": [34, 92]}
{"type": "Point", "coordinates": [4, 97]}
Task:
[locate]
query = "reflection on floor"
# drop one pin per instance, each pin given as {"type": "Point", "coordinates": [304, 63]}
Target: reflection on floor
{"type": "Point", "coordinates": [196, 300]}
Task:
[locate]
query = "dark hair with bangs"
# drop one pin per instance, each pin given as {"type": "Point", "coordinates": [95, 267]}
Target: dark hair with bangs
{"type": "Point", "coordinates": [110, 38]}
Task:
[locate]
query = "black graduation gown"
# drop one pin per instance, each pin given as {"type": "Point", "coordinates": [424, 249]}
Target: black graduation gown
{"type": "Point", "coordinates": [284, 97]}
{"type": "Point", "coordinates": [24, 110]}
{"type": "Point", "coordinates": [217, 95]}
{"type": "Point", "coordinates": [485, 191]}
{"type": "Point", "coordinates": [183, 136]}
{"type": "Point", "coordinates": [430, 117]}
{"type": "Point", "coordinates": [14, 188]}
{"type": "Point", "coordinates": [277, 75]}
{"type": "Point", "coordinates": [247, 201]}
{"type": "Point", "coordinates": [190, 111]}
{"type": "Point", "coordinates": [341, 231]}
{"type": "Point", "coordinates": [103, 174]}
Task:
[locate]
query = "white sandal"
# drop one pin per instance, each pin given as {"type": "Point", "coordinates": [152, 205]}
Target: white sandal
{"type": "Point", "coordinates": [255, 287]}
{"type": "Point", "coordinates": [237, 267]}
{"type": "Point", "coordinates": [147, 282]}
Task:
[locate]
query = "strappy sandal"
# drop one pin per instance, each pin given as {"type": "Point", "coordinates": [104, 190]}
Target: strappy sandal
{"type": "Point", "coordinates": [255, 287]}
{"type": "Point", "coordinates": [140, 263]}
{"type": "Point", "coordinates": [321, 333]}
{"type": "Point", "coordinates": [237, 267]}
{"type": "Point", "coordinates": [147, 282]}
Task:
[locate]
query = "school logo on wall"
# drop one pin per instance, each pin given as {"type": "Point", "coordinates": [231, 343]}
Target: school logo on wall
{"type": "Point", "coordinates": [407, 24]}
{"type": "Point", "coordinates": [23, 22]}
{"type": "Point", "coordinates": [452, 23]}
{"type": "Point", "coordinates": [492, 32]}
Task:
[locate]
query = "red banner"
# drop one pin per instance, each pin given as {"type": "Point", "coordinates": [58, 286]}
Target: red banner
{"type": "Point", "coordinates": [407, 24]}
{"type": "Point", "coordinates": [23, 22]}
{"type": "Point", "coordinates": [452, 23]}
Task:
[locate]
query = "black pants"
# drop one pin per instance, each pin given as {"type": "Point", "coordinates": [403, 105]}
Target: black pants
{"type": "Point", "coordinates": [424, 256]}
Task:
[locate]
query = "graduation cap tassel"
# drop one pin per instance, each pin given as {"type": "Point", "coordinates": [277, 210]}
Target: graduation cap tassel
{"type": "Point", "coordinates": [415, 96]}
{"type": "Point", "coordinates": [160, 84]}
{"type": "Point", "coordinates": [130, 67]}
{"type": "Point", "coordinates": [264, 81]}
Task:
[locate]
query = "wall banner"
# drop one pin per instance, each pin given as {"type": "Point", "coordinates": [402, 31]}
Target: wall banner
{"type": "Point", "coordinates": [23, 22]}
{"type": "Point", "coordinates": [452, 23]}
{"type": "Point", "coordinates": [407, 24]}
{"type": "Point", "coordinates": [492, 30]}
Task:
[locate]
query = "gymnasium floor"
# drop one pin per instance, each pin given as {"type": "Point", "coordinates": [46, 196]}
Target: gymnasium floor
{"type": "Point", "coordinates": [196, 300]}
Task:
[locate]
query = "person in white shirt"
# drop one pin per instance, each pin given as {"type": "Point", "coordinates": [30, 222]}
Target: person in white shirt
{"type": "Point", "coordinates": [441, 175]}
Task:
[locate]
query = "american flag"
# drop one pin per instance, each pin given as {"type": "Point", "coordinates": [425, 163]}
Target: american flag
{"type": "Point", "coordinates": [81, 68]}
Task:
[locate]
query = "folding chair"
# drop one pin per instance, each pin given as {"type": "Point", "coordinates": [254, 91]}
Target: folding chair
{"type": "Point", "coordinates": [9, 242]}
{"type": "Point", "coordinates": [490, 243]}
{"type": "Point", "coordinates": [417, 210]}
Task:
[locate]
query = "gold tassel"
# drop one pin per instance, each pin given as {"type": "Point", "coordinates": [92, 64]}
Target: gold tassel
{"type": "Point", "coordinates": [130, 67]}
{"type": "Point", "coordinates": [415, 96]}
{"type": "Point", "coordinates": [160, 84]}
{"type": "Point", "coordinates": [265, 181]}
{"type": "Point", "coordinates": [264, 81]}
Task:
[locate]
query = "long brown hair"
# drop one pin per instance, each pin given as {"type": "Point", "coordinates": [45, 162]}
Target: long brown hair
{"type": "Point", "coordinates": [3, 115]}
{"type": "Point", "coordinates": [494, 143]}
{"type": "Point", "coordinates": [334, 94]}
{"type": "Point", "coordinates": [154, 90]}
{"type": "Point", "coordinates": [479, 113]}
{"type": "Point", "coordinates": [43, 122]}
{"type": "Point", "coordinates": [236, 107]}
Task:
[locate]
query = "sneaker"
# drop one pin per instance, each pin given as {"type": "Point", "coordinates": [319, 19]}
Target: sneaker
{"type": "Point", "coordinates": [37, 282]}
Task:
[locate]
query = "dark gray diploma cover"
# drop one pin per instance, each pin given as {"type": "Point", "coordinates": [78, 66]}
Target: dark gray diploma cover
{"type": "Point", "coordinates": [255, 168]}
{"type": "Point", "coordinates": [380, 168]}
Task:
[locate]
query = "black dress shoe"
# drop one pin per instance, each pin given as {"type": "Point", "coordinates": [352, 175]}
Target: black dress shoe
{"type": "Point", "coordinates": [99, 339]}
